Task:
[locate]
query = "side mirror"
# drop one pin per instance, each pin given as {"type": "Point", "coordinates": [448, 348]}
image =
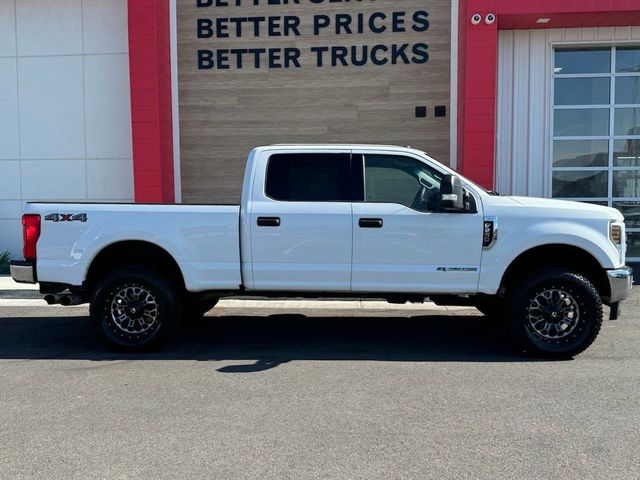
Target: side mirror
{"type": "Point", "coordinates": [451, 194]}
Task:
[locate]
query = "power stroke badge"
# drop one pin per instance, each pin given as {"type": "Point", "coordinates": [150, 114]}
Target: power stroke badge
{"type": "Point", "coordinates": [456, 269]}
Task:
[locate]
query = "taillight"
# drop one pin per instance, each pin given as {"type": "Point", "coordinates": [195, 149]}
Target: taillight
{"type": "Point", "coordinates": [30, 235]}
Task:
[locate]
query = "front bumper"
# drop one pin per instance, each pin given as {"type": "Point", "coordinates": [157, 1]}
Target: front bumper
{"type": "Point", "coordinates": [23, 272]}
{"type": "Point", "coordinates": [620, 283]}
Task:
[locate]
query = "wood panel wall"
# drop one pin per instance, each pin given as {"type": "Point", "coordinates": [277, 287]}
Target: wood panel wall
{"type": "Point", "coordinates": [225, 113]}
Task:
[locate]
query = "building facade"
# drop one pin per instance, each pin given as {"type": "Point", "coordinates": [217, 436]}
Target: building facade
{"type": "Point", "coordinates": [160, 100]}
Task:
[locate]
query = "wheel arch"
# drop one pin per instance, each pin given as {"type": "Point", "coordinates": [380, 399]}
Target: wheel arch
{"type": "Point", "coordinates": [133, 252]}
{"type": "Point", "coordinates": [571, 257]}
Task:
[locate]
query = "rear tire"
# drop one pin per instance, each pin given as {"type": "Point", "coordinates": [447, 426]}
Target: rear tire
{"type": "Point", "coordinates": [554, 314]}
{"type": "Point", "coordinates": [135, 308]}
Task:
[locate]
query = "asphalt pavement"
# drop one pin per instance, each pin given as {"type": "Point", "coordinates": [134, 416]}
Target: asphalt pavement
{"type": "Point", "coordinates": [306, 393]}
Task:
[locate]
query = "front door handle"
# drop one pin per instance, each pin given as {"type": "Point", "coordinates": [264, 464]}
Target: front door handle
{"type": "Point", "coordinates": [371, 223]}
{"type": "Point", "coordinates": [268, 221]}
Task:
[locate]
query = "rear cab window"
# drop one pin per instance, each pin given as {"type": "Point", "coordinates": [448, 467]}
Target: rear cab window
{"type": "Point", "coordinates": [309, 177]}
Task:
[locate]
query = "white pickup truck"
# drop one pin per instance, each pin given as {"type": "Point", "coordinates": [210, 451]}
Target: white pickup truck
{"type": "Point", "coordinates": [336, 220]}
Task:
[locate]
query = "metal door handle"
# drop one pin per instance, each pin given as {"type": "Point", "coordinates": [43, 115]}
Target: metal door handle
{"type": "Point", "coordinates": [268, 221]}
{"type": "Point", "coordinates": [371, 223]}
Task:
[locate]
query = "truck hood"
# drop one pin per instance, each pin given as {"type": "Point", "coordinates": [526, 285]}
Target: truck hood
{"type": "Point", "coordinates": [568, 208]}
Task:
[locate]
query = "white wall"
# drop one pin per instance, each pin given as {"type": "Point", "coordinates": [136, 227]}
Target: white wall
{"type": "Point", "coordinates": [65, 121]}
{"type": "Point", "coordinates": [523, 164]}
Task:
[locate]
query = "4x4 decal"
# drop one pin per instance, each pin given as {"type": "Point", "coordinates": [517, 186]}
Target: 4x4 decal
{"type": "Point", "coordinates": [66, 217]}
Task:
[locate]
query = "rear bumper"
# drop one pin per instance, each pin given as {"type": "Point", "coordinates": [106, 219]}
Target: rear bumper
{"type": "Point", "coordinates": [23, 272]}
{"type": "Point", "coordinates": [620, 283]}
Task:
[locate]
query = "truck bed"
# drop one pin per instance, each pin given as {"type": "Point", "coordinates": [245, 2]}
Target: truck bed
{"type": "Point", "coordinates": [203, 239]}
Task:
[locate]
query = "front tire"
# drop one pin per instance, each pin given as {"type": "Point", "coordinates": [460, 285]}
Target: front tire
{"type": "Point", "coordinates": [555, 314]}
{"type": "Point", "coordinates": [135, 308]}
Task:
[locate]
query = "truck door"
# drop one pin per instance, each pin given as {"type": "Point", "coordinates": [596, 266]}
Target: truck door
{"type": "Point", "coordinates": [301, 222]}
{"type": "Point", "coordinates": [402, 241]}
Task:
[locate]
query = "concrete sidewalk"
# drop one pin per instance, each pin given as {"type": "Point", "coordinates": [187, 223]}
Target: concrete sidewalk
{"type": "Point", "coordinates": [14, 294]}
{"type": "Point", "coordinates": [7, 283]}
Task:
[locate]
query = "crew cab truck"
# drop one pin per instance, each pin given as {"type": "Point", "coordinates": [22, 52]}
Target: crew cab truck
{"type": "Point", "coordinates": [336, 220]}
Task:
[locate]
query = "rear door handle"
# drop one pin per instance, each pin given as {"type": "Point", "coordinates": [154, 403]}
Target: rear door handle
{"type": "Point", "coordinates": [268, 221]}
{"type": "Point", "coordinates": [371, 223]}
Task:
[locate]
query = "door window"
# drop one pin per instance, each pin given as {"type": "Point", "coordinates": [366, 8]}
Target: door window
{"type": "Point", "coordinates": [309, 177]}
{"type": "Point", "coordinates": [402, 180]}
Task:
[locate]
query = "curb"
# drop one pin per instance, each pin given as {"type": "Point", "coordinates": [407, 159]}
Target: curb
{"type": "Point", "coordinates": [7, 283]}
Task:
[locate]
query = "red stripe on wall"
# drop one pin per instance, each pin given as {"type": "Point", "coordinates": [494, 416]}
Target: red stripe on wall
{"type": "Point", "coordinates": [151, 117]}
{"type": "Point", "coordinates": [477, 64]}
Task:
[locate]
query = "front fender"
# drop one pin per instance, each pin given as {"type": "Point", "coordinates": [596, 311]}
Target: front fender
{"type": "Point", "coordinates": [516, 238]}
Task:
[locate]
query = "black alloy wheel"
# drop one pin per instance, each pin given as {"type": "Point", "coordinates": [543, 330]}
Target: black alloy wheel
{"type": "Point", "coordinates": [135, 308]}
{"type": "Point", "coordinates": [555, 314]}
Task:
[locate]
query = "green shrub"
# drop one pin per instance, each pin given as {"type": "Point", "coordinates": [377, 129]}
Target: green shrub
{"type": "Point", "coordinates": [5, 258]}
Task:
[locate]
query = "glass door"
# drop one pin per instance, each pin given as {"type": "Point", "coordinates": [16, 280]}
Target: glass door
{"type": "Point", "coordinates": [596, 131]}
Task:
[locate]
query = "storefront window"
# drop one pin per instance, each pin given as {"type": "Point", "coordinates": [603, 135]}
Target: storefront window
{"type": "Point", "coordinates": [596, 131]}
{"type": "Point", "coordinates": [626, 153]}
{"type": "Point", "coordinates": [580, 153]}
{"type": "Point", "coordinates": [628, 60]}
{"type": "Point", "coordinates": [583, 60]}
{"type": "Point", "coordinates": [576, 184]}
{"type": "Point", "coordinates": [582, 91]}
{"type": "Point", "coordinates": [627, 90]}
{"type": "Point", "coordinates": [581, 122]}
